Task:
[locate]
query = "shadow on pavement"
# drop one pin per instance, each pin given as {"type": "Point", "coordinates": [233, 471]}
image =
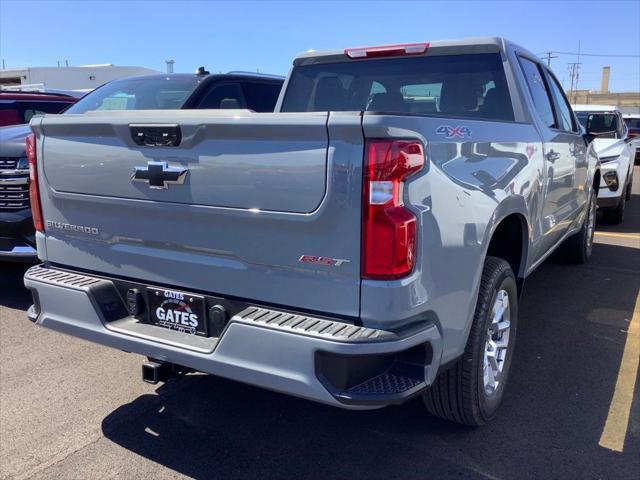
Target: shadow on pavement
{"type": "Point", "coordinates": [12, 291]}
{"type": "Point", "coordinates": [631, 222]}
{"type": "Point", "coordinates": [571, 338]}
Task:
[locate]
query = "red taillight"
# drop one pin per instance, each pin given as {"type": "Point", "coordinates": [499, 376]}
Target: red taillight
{"type": "Point", "coordinates": [388, 228]}
{"type": "Point", "coordinates": [387, 50]}
{"type": "Point", "coordinates": [34, 193]}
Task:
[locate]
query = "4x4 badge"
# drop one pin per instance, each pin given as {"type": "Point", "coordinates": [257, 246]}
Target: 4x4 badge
{"type": "Point", "coordinates": [159, 175]}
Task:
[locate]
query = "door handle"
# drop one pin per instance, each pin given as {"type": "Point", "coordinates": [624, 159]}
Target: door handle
{"type": "Point", "coordinates": [552, 156]}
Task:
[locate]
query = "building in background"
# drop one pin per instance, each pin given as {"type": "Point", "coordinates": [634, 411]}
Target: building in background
{"type": "Point", "coordinates": [84, 77]}
{"type": "Point", "coordinates": [627, 102]}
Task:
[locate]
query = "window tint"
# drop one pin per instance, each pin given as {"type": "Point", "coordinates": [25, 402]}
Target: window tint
{"type": "Point", "coordinates": [224, 96]}
{"type": "Point", "coordinates": [471, 85]}
{"type": "Point", "coordinates": [48, 107]}
{"type": "Point", "coordinates": [153, 93]}
{"type": "Point", "coordinates": [605, 124]}
{"type": "Point", "coordinates": [538, 91]}
{"type": "Point", "coordinates": [632, 122]}
{"type": "Point", "coordinates": [10, 115]}
{"type": "Point", "coordinates": [565, 118]}
{"type": "Point", "coordinates": [261, 97]}
{"type": "Point", "coordinates": [622, 126]}
{"type": "Point", "coordinates": [41, 108]}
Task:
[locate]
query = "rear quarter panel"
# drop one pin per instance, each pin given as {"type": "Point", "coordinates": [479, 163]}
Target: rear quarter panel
{"type": "Point", "coordinates": [469, 184]}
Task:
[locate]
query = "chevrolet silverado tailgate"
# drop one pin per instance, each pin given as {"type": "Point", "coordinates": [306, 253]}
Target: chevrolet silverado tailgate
{"type": "Point", "coordinates": [232, 203]}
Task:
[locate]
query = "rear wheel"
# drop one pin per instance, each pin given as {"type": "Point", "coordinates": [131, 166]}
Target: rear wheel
{"type": "Point", "coordinates": [577, 248]}
{"type": "Point", "coordinates": [471, 391]}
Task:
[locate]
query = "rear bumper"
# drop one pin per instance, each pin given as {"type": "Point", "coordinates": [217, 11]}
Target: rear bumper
{"type": "Point", "coordinates": [323, 360]}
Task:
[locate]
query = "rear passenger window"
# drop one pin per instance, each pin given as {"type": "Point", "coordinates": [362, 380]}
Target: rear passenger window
{"type": "Point", "coordinates": [564, 110]}
{"type": "Point", "coordinates": [538, 91]}
{"type": "Point", "coordinates": [48, 107]}
{"type": "Point", "coordinates": [43, 108]}
{"type": "Point", "coordinates": [226, 96]}
{"type": "Point", "coordinates": [261, 97]}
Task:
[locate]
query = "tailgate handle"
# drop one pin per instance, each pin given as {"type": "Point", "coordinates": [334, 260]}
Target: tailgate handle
{"type": "Point", "coordinates": [156, 135]}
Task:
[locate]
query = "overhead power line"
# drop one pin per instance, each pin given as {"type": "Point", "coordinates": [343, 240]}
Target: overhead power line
{"type": "Point", "coordinates": [592, 54]}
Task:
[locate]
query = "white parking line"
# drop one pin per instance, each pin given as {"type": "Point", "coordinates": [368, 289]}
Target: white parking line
{"type": "Point", "coordinates": [615, 428]}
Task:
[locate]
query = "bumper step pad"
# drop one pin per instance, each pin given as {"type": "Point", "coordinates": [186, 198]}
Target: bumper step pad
{"type": "Point", "coordinates": [387, 383]}
{"type": "Point", "coordinates": [312, 326]}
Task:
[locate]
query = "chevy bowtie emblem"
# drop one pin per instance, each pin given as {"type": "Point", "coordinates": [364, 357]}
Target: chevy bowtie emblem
{"type": "Point", "coordinates": [159, 175]}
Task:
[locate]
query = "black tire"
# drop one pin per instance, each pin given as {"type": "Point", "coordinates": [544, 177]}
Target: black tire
{"type": "Point", "coordinates": [458, 394]}
{"type": "Point", "coordinates": [615, 215]}
{"type": "Point", "coordinates": [629, 189]}
{"type": "Point", "coordinates": [578, 247]}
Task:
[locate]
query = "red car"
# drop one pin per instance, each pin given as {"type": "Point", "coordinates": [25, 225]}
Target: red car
{"type": "Point", "coordinates": [19, 107]}
{"type": "Point", "coordinates": [633, 125]}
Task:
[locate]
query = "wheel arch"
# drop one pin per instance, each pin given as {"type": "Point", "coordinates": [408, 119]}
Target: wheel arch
{"type": "Point", "coordinates": [509, 240]}
{"type": "Point", "coordinates": [596, 181]}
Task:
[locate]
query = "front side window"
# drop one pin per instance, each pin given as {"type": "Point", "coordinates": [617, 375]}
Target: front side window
{"type": "Point", "coordinates": [466, 85]}
{"type": "Point", "coordinates": [261, 97]}
{"type": "Point", "coordinates": [224, 96]}
{"type": "Point", "coordinates": [538, 89]}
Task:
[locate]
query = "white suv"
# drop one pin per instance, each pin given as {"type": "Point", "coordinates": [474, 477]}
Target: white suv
{"type": "Point", "coordinates": [611, 143]}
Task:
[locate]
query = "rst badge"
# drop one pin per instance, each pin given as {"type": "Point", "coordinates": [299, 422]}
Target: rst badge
{"type": "Point", "coordinates": [326, 261]}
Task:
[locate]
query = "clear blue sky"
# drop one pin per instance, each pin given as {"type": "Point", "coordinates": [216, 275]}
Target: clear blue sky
{"type": "Point", "coordinates": [266, 35]}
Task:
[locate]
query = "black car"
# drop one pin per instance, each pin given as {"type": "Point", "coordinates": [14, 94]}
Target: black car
{"type": "Point", "coordinates": [235, 90]}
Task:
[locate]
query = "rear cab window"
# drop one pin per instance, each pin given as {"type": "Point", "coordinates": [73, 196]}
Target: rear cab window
{"type": "Point", "coordinates": [465, 85]}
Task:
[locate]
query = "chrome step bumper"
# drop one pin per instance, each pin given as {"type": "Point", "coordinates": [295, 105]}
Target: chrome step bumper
{"type": "Point", "coordinates": [291, 353]}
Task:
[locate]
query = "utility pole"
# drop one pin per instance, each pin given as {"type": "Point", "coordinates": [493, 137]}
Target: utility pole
{"type": "Point", "coordinates": [549, 57]}
{"type": "Point", "coordinates": [574, 75]}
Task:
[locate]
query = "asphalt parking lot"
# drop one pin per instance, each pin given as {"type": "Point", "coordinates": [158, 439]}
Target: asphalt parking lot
{"type": "Point", "coordinates": [71, 409]}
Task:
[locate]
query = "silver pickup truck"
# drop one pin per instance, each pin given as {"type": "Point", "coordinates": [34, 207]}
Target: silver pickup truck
{"type": "Point", "coordinates": [364, 244]}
